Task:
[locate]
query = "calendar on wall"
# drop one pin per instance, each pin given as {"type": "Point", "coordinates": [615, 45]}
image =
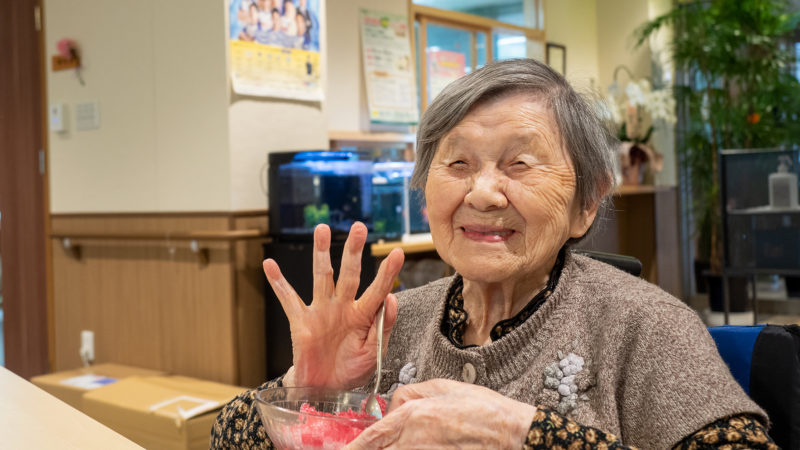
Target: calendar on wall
{"type": "Point", "coordinates": [275, 48]}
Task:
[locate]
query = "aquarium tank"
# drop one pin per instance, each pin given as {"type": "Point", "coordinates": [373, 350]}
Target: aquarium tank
{"type": "Point", "coordinates": [338, 188]}
{"type": "Point", "coordinates": [313, 187]}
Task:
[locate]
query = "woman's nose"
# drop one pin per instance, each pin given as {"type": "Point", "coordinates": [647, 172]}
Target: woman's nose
{"type": "Point", "coordinates": [487, 192]}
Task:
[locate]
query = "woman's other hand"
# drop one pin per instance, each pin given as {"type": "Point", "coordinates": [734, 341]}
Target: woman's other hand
{"type": "Point", "coordinates": [334, 338]}
{"type": "Point", "coordinates": [446, 413]}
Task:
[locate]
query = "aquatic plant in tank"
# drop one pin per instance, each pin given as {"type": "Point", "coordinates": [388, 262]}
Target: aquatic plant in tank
{"type": "Point", "coordinates": [328, 187]}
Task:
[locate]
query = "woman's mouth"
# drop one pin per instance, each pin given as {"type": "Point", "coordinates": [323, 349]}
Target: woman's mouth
{"type": "Point", "coordinates": [486, 233]}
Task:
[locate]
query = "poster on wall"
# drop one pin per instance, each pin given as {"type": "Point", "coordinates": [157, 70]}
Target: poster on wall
{"type": "Point", "coordinates": [274, 48]}
{"type": "Point", "coordinates": [389, 74]}
{"type": "Point", "coordinates": [444, 67]}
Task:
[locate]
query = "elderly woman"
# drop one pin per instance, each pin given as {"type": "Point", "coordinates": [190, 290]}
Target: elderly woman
{"type": "Point", "coordinates": [528, 345]}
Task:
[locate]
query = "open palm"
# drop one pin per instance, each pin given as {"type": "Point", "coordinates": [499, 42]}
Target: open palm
{"type": "Point", "coordinates": [334, 340]}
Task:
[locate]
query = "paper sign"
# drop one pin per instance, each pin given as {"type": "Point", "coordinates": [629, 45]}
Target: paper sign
{"type": "Point", "coordinates": [389, 74]}
{"type": "Point", "coordinates": [88, 381]}
{"type": "Point", "coordinates": [444, 67]}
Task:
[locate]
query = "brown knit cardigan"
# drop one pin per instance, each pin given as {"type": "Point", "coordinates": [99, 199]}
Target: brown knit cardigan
{"type": "Point", "coordinates": [607, 349]}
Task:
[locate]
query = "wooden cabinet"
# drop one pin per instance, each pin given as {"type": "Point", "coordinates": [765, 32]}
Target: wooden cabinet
{"type": "Point", "coordinates": [643, 223]}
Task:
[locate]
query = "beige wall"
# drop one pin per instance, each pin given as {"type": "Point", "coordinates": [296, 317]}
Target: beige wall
{"type": "Point", "coordinates": [259, 125]}
{"type": "Point", "coordinates": [664, 135]}
{"type": "Point", "coordinates": [598, 35]}
{"type": "Point", "coordinates": [173, 137]}
{"type": "Point", "coordinates": [346, 89]}
{"type": "Point", "coordinates": [573, 23]}
{"type": "Point", "coordinates": [163, 118]}
{"type": "Point", "coordinates": [616, 21]}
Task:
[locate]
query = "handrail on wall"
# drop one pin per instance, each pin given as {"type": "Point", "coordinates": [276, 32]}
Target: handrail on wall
{"type": "Point", "coordinates": [192, 236]}
{"type": "Point", "coordinates": [224, 235]}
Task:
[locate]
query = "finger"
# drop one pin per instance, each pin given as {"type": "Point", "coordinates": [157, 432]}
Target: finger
{"type": "Point", "coordinates": [291, 303]}
{"type": "Point", "coordinates": [350, 271]}
{"type": "Point", "coordinates": [382, 433]}
{"type": "Point", "coordinates": [417, 391]}
{"type": "Point", "coordinates": [383, 282]}
{"type": "Point", "coordinates": [322, 269]}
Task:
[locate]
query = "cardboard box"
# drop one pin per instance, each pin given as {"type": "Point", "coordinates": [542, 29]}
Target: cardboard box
{"type": "Point", "coordinates": [69, 386]}
{"type": "Point", "coordinates": [171, 412]}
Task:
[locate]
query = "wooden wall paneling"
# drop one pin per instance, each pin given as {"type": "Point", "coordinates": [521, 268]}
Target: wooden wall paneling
{"type": "Point", "coordinates": [250, 308]}
{"type": "Point", "coordinates": [74, 308]}
{"type": "Point", "coordinates": [233, 310]}
{"type": "Point", "coordinates": [196, 307]}
{"type": "Point", "coordinates": [151, 303]}
{"type": "Point", "coordinates": [129, 328]}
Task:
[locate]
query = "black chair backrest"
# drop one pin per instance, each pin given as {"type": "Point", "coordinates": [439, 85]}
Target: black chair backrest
{"type": "Point", "coordinates": [622, 262]}
{"type": "Point", "coordinates": [775, 381]}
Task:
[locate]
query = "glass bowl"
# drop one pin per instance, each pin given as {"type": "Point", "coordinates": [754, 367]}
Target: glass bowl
{"type": "Point", "coordinates": [312, 418]}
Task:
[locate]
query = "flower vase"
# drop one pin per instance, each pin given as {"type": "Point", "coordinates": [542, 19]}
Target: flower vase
{"type": "Point", "coordinates": [633, 174]}
{"type": "Point", "coordinates": [634, 158]}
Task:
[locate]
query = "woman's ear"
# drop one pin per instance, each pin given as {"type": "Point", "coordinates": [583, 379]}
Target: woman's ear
{"type": "Point", "coordinates": [582, 220]}
{"type": "Point", "coordinates": [584, 217]}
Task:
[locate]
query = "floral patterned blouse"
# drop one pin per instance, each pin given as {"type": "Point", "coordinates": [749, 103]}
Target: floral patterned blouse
{"type": "Point", "coordinates": [239, 426]}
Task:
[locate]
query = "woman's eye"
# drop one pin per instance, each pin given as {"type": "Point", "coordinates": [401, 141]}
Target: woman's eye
{"type": "Point", "coordinates": [457, 163]}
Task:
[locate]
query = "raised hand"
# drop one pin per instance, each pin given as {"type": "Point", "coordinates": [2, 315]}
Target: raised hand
{"type": "Point", "coordinates": [334, 338]}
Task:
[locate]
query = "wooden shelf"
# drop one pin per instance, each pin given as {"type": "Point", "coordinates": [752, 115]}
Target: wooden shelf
{"type": "Point", "coordinates": [345, 138]}
{"type": "Point", "coordinates": [623, 190]}
{"type": "Point", "coordinates": [380, 249]}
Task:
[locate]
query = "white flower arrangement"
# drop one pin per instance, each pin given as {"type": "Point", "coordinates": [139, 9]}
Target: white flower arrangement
{"type": "Point", "coordinates": [634, 110]}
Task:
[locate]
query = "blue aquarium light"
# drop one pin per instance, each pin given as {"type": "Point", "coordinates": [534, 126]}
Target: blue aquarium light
{"type": "Point", "coordinates": [325, 156]}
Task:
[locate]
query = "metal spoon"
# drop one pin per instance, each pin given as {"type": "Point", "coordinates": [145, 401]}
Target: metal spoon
{"type": "Point", "coordinates": [372, 407]}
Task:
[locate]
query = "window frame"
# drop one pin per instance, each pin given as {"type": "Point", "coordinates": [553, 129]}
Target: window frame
{"type": "Point", "coordinates": [424, 15]}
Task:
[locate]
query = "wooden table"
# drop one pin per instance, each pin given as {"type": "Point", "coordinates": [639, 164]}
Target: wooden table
{"type": "Point", "coordinates": [32, 418]}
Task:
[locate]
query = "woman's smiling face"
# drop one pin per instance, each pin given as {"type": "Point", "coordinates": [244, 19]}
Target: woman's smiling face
{"type": "Point", "coordinates": [501, 192]}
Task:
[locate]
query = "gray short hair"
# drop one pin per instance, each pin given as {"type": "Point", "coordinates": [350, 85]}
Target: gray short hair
{"type": "Point", "coordinates": [584, 135]}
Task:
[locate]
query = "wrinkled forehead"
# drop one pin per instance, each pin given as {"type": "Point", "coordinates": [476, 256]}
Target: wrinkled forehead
{"type": "Point", "coordinates": [509, 119]}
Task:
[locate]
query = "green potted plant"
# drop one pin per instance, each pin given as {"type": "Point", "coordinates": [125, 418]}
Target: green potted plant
{"type": "Point", "coordinates": [735, 89]}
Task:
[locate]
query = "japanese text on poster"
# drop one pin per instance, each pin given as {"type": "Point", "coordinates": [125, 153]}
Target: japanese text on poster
{"type": "Point", "coordinates": [389, 74]}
